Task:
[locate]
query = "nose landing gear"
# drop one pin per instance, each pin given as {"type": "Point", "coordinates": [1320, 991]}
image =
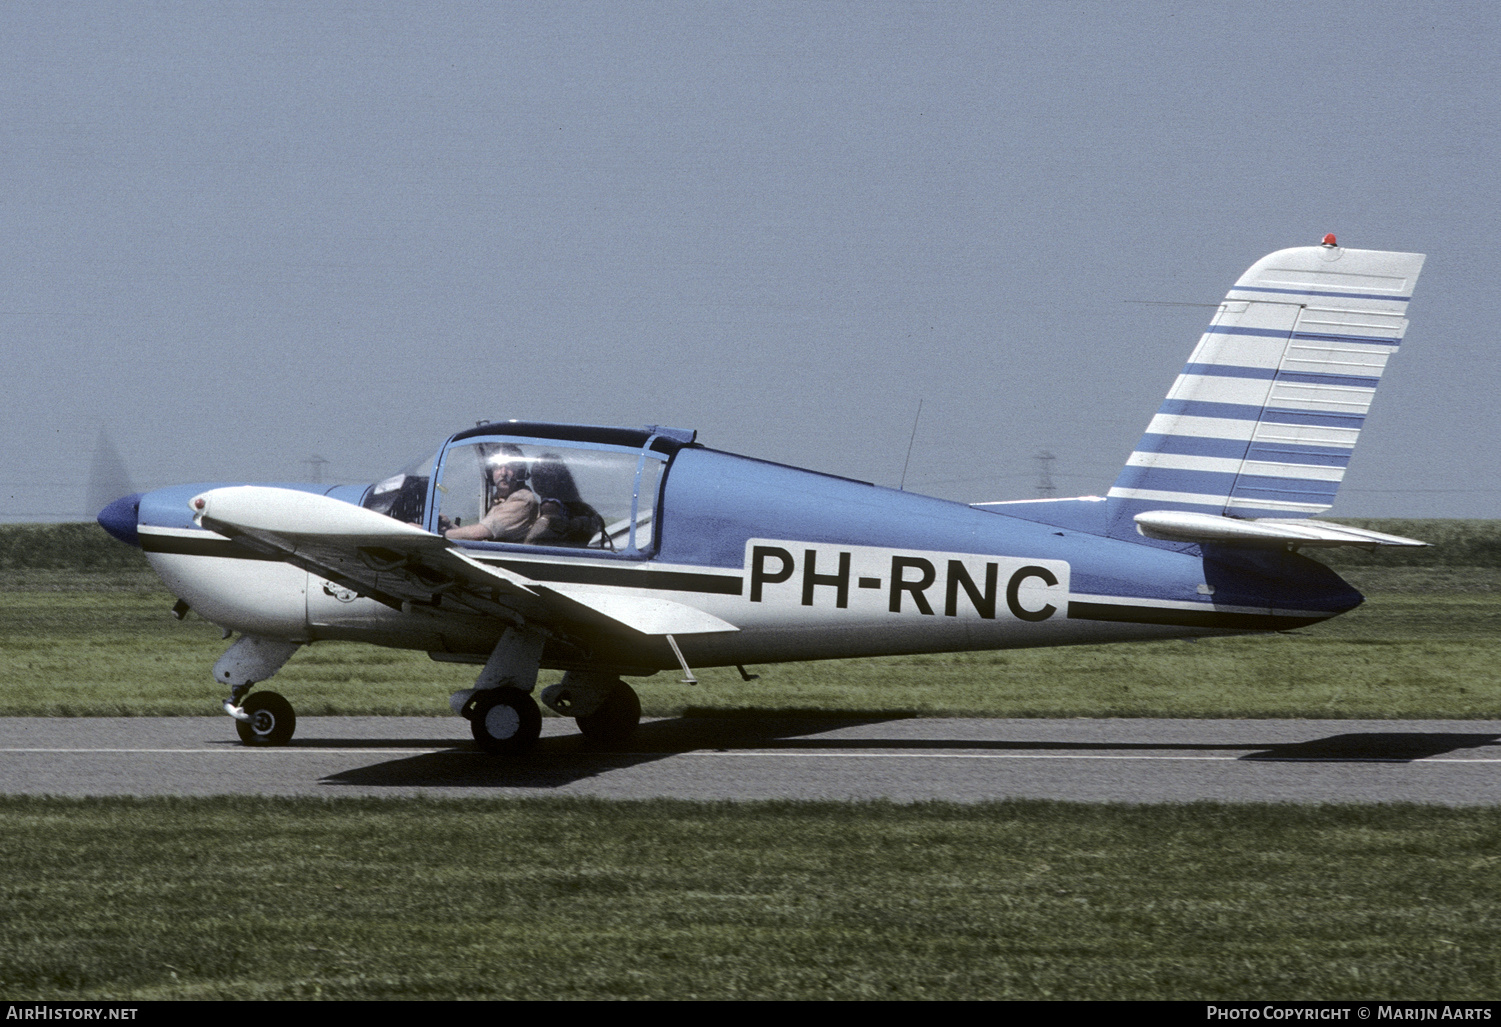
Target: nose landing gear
{"type": "Point", "coordinates": [264, 718]}
{"type": "Point", "coordinates": [270, 721]}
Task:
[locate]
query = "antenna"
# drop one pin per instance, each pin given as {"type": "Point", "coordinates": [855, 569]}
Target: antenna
{"type": "Point", "coordinates": [1045, 487]}
{"type": "Point", "coordinates": [903, 486]}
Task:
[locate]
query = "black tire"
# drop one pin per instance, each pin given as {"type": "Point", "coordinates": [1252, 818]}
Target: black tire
{"type": "Point", "coordinates": [272, 720]}
{"type": "Point", "coordinates": [616, 719]}
{"type": "Point", "coordinates": [505, 721]}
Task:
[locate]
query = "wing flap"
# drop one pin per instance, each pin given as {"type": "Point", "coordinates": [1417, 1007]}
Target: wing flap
{"type": "Point", "coordinates": [647, 615]}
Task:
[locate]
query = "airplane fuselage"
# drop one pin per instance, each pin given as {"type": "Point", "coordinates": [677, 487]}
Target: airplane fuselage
{"type": "Point", "coordinates": [805, 565]}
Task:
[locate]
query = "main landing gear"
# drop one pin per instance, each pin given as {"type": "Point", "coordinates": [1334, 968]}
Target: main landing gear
{"type": "Point", "coordinates": [504, 721]}
{"type": "Point", "coordinates": [615, 720]}
{"type": "Point", "coordinates": [504, 717]}
{"type": "Point", "coordinates": [605, 708]}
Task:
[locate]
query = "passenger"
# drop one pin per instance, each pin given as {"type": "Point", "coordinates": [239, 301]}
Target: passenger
{"type": "Point", "coordinates": [565, 519]}
{"type": "Point", "coordinates": [513, 507]}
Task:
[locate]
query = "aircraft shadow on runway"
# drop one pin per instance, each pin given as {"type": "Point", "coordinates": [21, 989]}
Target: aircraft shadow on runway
{"type": "Point", "coordinates": [562, 760]}
{"type": "Point", "coordinates": [1375, 746]}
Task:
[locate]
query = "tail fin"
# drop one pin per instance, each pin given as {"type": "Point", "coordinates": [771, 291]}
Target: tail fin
{"type": "Point", "coordinates": [1262, 421]}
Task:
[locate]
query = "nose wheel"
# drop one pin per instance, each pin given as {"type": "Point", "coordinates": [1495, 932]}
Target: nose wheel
{"type": "Point", "coordinates": [271, 720]}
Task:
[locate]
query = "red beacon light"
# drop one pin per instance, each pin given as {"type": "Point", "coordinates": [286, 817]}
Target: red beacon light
{"type": "Point", "coordinates": [1329, 240]}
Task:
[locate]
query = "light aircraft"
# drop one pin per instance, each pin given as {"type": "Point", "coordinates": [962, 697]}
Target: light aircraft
{"type": "Point", "coordinates": [618, 552]}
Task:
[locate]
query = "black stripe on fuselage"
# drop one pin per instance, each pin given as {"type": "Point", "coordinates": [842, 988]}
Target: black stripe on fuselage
{"type": "Point", "coordinates": [623, 577]}
{"type": "Point", "coordinates": [1225, 620]}
{"type": "Point", "coordinates": [182, 545]}
{"type": "Point", "coordinates": [579, 574]}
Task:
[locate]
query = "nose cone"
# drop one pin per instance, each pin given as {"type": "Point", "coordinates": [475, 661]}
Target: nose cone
{"type": "Point", "coordinates": [119, 519]}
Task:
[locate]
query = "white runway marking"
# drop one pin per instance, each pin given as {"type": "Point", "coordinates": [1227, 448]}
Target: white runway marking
{"type": "Point", "coordinates": [233, 750]}
{"type": "Point", "coordinates": [1080, 756]}
{"type": "Point", "coordinates": [238, 750]}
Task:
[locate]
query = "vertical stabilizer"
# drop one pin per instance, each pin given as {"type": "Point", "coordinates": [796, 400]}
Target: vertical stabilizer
{"type": "Point", "coordinates": [1262, 421]}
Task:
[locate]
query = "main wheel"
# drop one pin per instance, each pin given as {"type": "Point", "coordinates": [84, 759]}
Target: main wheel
{"type": "Point", "coordinates": [505, 721]}
{"type": "Point", "coordinates": [616, 718]}
{"type": "Point", "coordinates": [271, 722]}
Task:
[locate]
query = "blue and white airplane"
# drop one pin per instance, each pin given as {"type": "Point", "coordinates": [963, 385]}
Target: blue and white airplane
{"type": "Point", "coordinates": [621, 552]}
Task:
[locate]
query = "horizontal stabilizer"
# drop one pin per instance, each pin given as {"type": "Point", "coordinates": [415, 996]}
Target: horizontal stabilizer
{"type": "Point", "coordinates": [1185, 526]}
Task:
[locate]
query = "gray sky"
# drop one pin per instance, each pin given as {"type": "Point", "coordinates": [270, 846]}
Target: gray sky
{"type": "Point", "coordinates": [237, 235]}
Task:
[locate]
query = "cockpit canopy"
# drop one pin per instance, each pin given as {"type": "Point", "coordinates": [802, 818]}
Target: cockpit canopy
{"type": "Point", "coordinates": [542, 485]}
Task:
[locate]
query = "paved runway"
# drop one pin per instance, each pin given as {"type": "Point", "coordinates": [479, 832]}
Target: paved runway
{"type": "Point", "coordinates": [777, 757]}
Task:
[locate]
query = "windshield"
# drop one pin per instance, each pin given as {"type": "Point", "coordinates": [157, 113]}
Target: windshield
{"type": "Point", "coordinates": [404, 494]}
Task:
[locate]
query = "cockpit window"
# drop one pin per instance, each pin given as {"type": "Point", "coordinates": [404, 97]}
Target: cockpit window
{"type": "Point", "coordinates": [549, 494]}
{"type": "Point", "coordinates": [404, 494]}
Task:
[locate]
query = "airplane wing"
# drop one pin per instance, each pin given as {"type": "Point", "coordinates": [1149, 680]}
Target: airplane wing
{"type": "Point", "coordinates": [396, 563]}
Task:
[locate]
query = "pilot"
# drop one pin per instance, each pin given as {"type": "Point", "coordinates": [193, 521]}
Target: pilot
{"type": "Point", "coordinates": [513, 506]}
{"type": "Point", "coordinates": [564, 519]}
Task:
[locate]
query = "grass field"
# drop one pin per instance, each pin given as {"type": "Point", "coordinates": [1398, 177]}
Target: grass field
{"type": "Point", "coordinates": [547, 899]}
